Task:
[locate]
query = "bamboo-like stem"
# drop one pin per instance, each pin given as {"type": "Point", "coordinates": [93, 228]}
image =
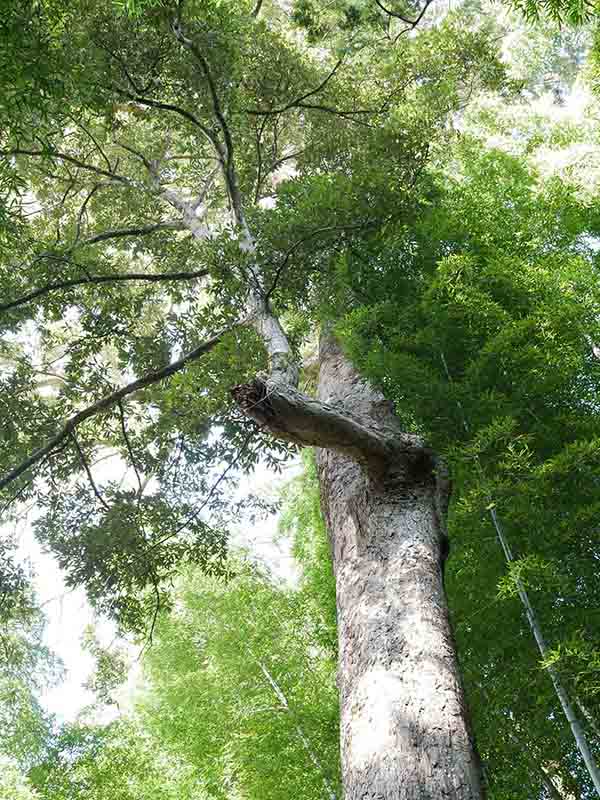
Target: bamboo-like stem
{"type": "Point", "coordinates": [561, 693]}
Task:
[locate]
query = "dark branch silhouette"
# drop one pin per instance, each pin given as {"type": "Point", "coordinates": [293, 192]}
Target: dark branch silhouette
{"type": "Point", "coordinates": [121, 233]}
{"type": "Point", "coordinates": [412, 23]}
{"type": "Point", "coordinates": [88, 471]}
{"type": "Point", "coordinates": [299, 101]}
{"type": "Point", "coordinates": [182, 112]}
{"type": "Point", "coordinates": [95, 279]}
{"type": "Point", "coordinates": [70, 159]}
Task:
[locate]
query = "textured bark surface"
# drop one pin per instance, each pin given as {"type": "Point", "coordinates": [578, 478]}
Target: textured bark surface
{"type": "Point", "coordinates": [404, 726]}
{"type": "Point", "coordinates": [293, 416]}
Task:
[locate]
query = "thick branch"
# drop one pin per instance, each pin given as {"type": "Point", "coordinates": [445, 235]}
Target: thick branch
{"type": "Point", "coordinates": [292, 416]}
{"type": "Point", "coordinates": [94, 279]}
{"type": "Point", "coordinates": [107, 402]}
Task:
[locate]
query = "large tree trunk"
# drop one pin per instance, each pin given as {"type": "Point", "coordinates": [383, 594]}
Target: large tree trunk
{"type": "Point", "coordinates": [404, 727]}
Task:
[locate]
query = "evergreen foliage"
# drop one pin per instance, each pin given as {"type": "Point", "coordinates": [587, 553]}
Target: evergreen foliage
{"type": "Point", "coordinates": [27, 667]}
{"type": "Point", "coordinates": [240, 686]}
{"type": "Point", "coordinates": [106, 287]}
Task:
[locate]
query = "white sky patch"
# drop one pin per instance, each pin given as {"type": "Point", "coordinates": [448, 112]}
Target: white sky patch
{"type": "Point", "coordinates": [69, 613]}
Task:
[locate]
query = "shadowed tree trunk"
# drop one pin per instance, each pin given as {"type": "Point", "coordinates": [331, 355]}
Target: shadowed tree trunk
{"type": "Point", "coordinates": [405, 732]}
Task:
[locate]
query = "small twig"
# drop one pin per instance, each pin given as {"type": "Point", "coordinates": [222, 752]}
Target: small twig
{"type": "Point", "coordinates": [82, 213]}
{"type": "Point", "coordinates": [173, 108]}
{"type": "Point", "coordinates": [197, 511]}
{"type": "Point", "coordinates": [411, 22]}
{"type": "Point", "coordinates": [129, 448]}
{"type": "Point", "coordinates": [91, 136]}
{"type": "Point", "coordinates": [86, 466]}
{"type": "Point", "coordinates": [70, 159]}
{"type": "Point", "coordinates": [298, 102]}
{"type": "Point", "coordinates": [289, 253]}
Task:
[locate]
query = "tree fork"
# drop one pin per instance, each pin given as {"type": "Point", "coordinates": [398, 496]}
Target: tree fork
{"type": "Point", "coordinates": [405, 731]}
{"type": "Point", "coordinates": [290, 415]}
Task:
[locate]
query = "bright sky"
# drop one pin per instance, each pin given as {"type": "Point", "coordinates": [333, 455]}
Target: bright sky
{"type": "Point", "coordinates": [68, 612]}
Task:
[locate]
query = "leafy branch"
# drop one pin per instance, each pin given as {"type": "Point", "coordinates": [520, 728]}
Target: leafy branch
{"type": "Point", "coordinates": [108, 401]}
{"type": "Point", "coordinates": [99, 279]}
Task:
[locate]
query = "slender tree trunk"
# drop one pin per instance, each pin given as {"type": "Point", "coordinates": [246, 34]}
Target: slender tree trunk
{"type": "Point", "coordinates": [404, 726]}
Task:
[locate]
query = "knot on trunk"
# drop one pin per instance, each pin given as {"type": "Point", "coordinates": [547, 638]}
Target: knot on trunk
{"type": "Point", "coordinates": [253, 399]}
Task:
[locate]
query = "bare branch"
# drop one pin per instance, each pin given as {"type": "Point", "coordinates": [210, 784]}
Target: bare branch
{"type": "Point", "coordinates": [123, 66]}
{"type": "Point", "coordinates": [299, 102]}
{"type": "Point", "coordinates": [187, 207]}
{"type": "Point", "coordinates": [198, 510]}
{"type": "Point", "coordinates": [83, 213]}
{"type": "Point", "coordinates": [257, 8]}
{"type": "Point", "coordinates": [94, 279]}
{"type": "Point", "coordinates": [348, 115]}
{"type": "Point", "coordinates": [174, 199]}
{"type": "Point", "coordinates": [208, 183]}
{"type": "Point", "coordinates": [148, 164]}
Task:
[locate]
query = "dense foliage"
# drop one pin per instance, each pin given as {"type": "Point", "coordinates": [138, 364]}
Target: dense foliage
{"type": "Point", "coordinates": [27, 668]}
{"type": "Point", "coordinates": [493, 358]}
{"type": "Point", "coordinates": [238, 695]}
{"type": "Point", "coordinates": [460, 273]}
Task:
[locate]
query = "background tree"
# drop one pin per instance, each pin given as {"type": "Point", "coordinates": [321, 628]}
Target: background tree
{"type": "Point", "coordinates": [237, 697]}
{"type": "Point", "coordinates": [27, 667]}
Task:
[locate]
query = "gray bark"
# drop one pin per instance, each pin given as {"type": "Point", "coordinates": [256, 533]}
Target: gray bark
{"type": "Point", "coordinates": [404, 727]}
{"type": "Point", "coordinates": [405, 732]}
